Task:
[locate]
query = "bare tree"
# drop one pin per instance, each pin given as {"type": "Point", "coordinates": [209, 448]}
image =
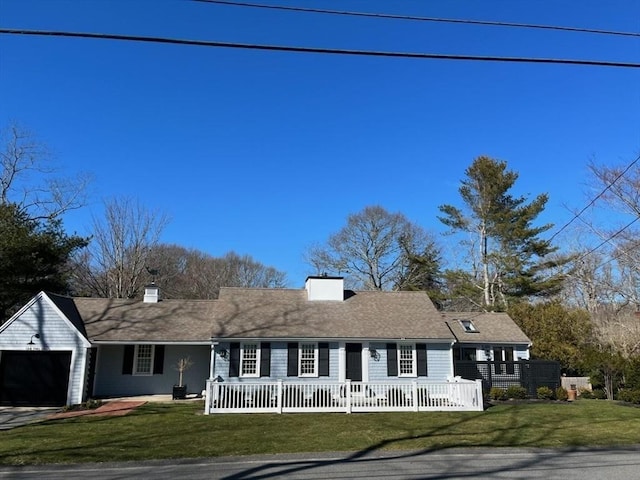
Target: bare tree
{"type": "Point", "coordinates": [190, 273]}
{"type": "Point", "coordinates": [115, 263]}
{"type": "Point", "coordinates": [372, 249]}
{"type": "Point", "coordinates": [28, 179]}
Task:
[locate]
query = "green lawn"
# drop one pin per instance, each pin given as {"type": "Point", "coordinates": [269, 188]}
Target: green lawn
{"type": "Point", "coordinates": [164, 430]}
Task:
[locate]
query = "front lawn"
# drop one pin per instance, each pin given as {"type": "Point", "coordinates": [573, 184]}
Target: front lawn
{"type": "Point", "coordinates": [170, 430]}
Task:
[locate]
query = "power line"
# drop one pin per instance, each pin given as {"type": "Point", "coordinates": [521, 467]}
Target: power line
{"type": "Point", "coordinates": [575, 217]}
{"type": "Point", "coordinates": [331, 51]}
{"type": "Point", "coordinates": [607, 240]}
{"type": "Point", "coordinates": [422, 19]}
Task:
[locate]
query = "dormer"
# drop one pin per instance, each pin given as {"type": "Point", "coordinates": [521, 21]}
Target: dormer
{"type": "Point", "coordinates": [151, 293]}
{"type": "Point", "coordinates": [325, 288]}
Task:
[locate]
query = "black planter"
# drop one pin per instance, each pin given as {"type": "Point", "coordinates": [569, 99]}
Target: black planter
{"type": "Point", "coordinates": [179, 392]}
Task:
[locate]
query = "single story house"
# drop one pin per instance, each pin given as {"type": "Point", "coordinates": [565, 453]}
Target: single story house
{"type": "Point", "coordinates": [59, 350]}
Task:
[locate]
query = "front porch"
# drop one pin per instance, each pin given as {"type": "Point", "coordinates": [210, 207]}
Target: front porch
{"type": "Point", "coordinates": [347, 397]}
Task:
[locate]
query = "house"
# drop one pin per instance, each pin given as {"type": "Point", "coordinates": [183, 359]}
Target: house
{"type": "Point", "coordinates": [486, 336]}
{"type": "Point", "coordinates": [321, 347]}
{"type": "Point", "coordinates": [58, 350]}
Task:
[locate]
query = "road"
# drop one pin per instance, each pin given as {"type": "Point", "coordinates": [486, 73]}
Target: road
{"type": "Point", "coordinates": [581, 463]}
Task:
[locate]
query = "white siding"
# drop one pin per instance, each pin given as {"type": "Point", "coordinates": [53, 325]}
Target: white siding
{"type": "Point", "coordinates": [56, 334]}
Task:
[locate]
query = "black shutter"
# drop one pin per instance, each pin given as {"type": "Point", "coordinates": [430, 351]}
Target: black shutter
{"type": "Point", "coordinates": [127, 361]}
{"type": "Point", "coordinates": [158, 359]}
{"type": "Point", "coordinates": [392, 360]}
{"type": "Point", "coordinates": [323, 359]}
{"type": "Point", "coordinates": [234, 359]}
{"type": "Point", "coordinates": [421, 357]}
{"type": "Point", "coordinates": [292, 359]}
{"type": "Point", "coordinates": [265, 359]}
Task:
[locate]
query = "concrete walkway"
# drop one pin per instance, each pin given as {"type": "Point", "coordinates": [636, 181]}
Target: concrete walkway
{"type": "Point", "coordinates": [12, 417]}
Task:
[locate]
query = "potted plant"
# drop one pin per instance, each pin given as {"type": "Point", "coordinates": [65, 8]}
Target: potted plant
{"type": "Point", "coordinates": [180, 390]}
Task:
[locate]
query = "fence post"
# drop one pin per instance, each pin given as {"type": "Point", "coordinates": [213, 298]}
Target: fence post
{"type": "Point", "coordinates": [347, 392]}
{"type": "Point", "coordinates": [414, 395]}
{"type": "Point", "coordinates": [479, 396]}
{"type": "Point", "coordinates": [207, 398]}
{"type": "Point", "coordinates": [279, 397]}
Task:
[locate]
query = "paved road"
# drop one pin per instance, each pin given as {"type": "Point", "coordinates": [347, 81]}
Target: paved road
{"type": "Point", "coordinates": [579, 464]}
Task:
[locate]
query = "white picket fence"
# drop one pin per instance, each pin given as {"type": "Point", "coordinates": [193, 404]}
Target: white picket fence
{"type": "Point", "coordinates": [291, 397]}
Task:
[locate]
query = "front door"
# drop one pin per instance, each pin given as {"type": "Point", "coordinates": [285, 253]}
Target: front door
{"type": "Point", "coordinates": [354, 362]}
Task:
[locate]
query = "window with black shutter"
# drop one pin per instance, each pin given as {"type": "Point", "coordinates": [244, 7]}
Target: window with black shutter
{"type": "Point", "coordinates": [392, 360]}
{"type": "Point", "coordinates": [323, 359]}
{"type": "Point", "coordinates": [265, 359]}
{"type": "Point", "coordinates": [292, 359]}
{"type": "Point", "coordinates": [234, 359]}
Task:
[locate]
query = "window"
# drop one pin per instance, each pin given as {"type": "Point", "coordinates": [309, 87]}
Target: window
{"type": "Point", "coordinates": [468, 326]}
{"type": "Point", "coordinates": [143, 360]}
{"type": "Point", "coordinates": [465, 353]}
{"type": "Point", "coordinates": [250, 359]}
{"type": "Point", "coordinates": [308, 360]}
{"type": "Point", "coordinates": [406, 361]}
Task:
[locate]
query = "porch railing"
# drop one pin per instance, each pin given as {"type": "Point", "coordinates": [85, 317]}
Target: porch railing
{"type": "Point", "coordinates": [289, 397]}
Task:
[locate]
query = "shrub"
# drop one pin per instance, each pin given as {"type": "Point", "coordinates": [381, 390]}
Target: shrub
{"type": "Point", "coordinates": [516, 392]}
{"type": "Point", "coordinates": [497, 393]}
{"type": "Point", "coordinates": [585, 393]}
{"type": "Point", "coordinates": [629, 396]}
{"type": "Point", "coordinates": [599, 394]}
{"type": "Point", "coordinates": [562, 394]}
{"type": "Point", "coordinates": [544, 393]}
{"type": "Point", "coordinates": [92, 404]}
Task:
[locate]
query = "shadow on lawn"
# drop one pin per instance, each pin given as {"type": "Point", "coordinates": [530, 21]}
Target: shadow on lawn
{"type": "Point", "coordinates": [460, 461]}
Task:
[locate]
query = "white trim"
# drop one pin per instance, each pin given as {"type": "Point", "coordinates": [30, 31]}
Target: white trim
{"type": "Point", "coordinates": [315, 360]}
{"type": "Point", "coordinates": [242, 359]}
{"type": "Point", "coordinates": [366, 358]}
{"type": "Point", "coordinates": [342, 361]}
{"type": "Point", "coordinates": [414, 360]}
{"type": "Point", "coordinates": [134, 370]}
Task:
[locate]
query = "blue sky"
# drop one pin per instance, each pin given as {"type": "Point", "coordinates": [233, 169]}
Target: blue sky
{"type": "Point", "coordinates": [266, 153]}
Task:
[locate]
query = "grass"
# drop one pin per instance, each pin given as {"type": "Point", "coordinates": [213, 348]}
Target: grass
{"type": "Point", "coordinates": [156, 431]}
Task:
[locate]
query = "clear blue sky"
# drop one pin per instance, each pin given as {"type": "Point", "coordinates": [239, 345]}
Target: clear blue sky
{"type": "Point", "coordinates": [266, 153]}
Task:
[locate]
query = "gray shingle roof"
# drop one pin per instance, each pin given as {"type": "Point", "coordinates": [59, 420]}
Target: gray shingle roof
{"type": "Point", "coordinates": [68, 308]}
{"type": "Point", "coordinates": [286, 313]}
{"type": "Point", "coordinates": [490, 328]}
{"type": "Point", "coordinates": [134, 321]}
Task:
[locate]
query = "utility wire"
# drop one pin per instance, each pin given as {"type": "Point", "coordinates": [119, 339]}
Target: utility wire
{"type": "Point", "coordinates": [422, 19]}
{"type": "Point", "coordinates": [607, 240]}
{"type": "Point", "coordinates": [575, 217]}
{"type": "Point", "coordinates": [282, 48]}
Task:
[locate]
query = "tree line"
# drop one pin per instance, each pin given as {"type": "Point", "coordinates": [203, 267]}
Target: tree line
{"type": "Point", "coordinates": [578, 304]}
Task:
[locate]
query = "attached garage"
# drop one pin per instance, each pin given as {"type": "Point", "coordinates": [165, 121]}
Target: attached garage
{"type": "Point", "coordinates": [34, 378]}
